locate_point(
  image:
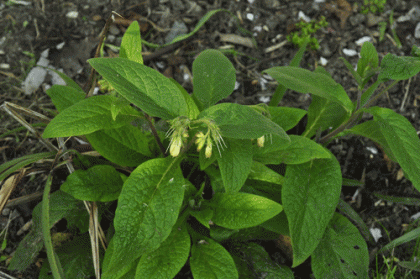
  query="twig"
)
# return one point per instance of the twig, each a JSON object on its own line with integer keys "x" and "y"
{"x": 406, "y": 89}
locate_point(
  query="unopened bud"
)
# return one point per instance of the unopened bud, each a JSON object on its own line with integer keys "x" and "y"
{"x": 260, "y": 141}
{"x": 175, "y": 147}
{"x": 200, "y": 141}
{"x": 208, "y": 149}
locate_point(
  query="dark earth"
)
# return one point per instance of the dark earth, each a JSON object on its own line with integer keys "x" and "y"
{"x": 27, "y": 28}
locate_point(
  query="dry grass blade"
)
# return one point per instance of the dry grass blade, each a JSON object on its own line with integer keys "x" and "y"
{"x": 93, "y": 232}
{"x": 10, "y": 109}
{"x": 92, "y": 209}
{"x": 8, "y": 187}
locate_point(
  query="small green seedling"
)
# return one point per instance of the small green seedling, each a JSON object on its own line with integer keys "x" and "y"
{"x": 382, "y": 29}
{"x": 194, "y": 180}
{"x": 306, "y": 30}
{"x": 373, "y": 6}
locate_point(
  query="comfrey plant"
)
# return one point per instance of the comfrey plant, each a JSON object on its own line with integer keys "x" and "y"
{"x": 196, "y": 182}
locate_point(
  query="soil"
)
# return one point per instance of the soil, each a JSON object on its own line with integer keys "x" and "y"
{"x": 29, "y": 28}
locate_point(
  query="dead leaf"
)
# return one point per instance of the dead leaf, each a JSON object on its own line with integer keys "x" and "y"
{"x": 341, "y": 8}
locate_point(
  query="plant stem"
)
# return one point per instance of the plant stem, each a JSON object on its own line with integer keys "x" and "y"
{"x": 354, "y": 118}
{"x": 155, "y": 134}
{"x": 342, "y": 127}
{"x": 373, "y": 100}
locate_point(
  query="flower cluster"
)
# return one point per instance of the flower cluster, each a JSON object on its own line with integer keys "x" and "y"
{"x": 212, "y": 135}
{"x": 178, "y": 133}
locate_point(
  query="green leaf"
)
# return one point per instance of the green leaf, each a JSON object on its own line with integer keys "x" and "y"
{"x": 210, "y": 260}
{"x": 351, "y": 214}
{"x": 143, "y": 86}
{"x": 214, "y": 77}
{"x": 310, "y": 195}
{"x": 281, "y": 89}
{"x": 64, "y": 96}
{"x": 193, "y": 110}
{"x": 398, "y": 67}
{"x": 323, "y": 114}
{"x": 258, "y": 260}
{"x": 286, "y": 117}
{"x": 123, "y": 272}
{"x": 407, "y": 237}
{"x": 277, "y": 224}
{"x": 62, "y": 205}
{"x": 148, "y": 207}
{"x": 402, "y": 139}
{"x": 342, "y": 252}
{"x": 76, "y": 256}
{"x": 261, "y": 172}
{"x": 203, "y": 215}
{"x": 71, "y": 83}
{"x": 235, "y": 164}
{"x": 371, "y": 130}
{"x": 99, "y": 183}
{"x": 300, "y": 150}
{"x": 125, "y": 146}
{"x": 242, "y": 210}
{"x": 355, "y": 74}
{"x": 368, "y": 59}
{"x": 131, "y": 43}
{"x": 168, "y": 259}
{"x": 54, "y": 261}
{"x": 11, "y": 166}
{"x": 118, "y": 105}
{"x": 305, "y": 81}
{"x": 87, "y": 116}
{"x": 200, "y": 23}
{"x": 242, "y": 122}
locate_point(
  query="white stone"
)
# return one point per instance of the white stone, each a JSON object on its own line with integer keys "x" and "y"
{"x": 36, "y": 75}
{"x": 250, "y": 16}
{"x": 362, "y": 40}
{"x": 72, "y": 14}
{"x": 417, "y": 31}
{"x": 349, "y": 52}
{"x": 301, "y": 15}
{"x": 376, "y": 233}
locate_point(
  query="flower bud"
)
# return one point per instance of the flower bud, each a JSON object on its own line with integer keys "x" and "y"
{"x": 175, "y": 147}
{"x": 208, "y": 149}
{"x": 200, "y": 141}
{"x": 260, "y": 141}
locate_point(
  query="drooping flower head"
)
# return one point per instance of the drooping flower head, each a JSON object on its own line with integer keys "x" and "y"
{"x": 178, "y": 134}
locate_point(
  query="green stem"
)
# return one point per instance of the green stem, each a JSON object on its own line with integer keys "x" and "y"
{"x": 373, "y": 100}
{"x": 155, "y": 134}
{"x": 55, "y": 265}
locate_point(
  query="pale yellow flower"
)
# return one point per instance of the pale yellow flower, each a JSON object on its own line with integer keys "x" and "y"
{"x": 260, "y": 141}
{"x": 175, "y": 148}
{"x": 200, "y": 141}
{"x": 208, "y": 148}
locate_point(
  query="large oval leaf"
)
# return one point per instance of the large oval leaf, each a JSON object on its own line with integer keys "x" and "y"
{"x": 168, "y": 259}
{"x": 87, "y": 116}
{"x": 402, "y": 139}
{"x": 209, "y": 259}
{"x": 242, "y": 210}
{"x": 148, "y": 208}
{"x": 125, "y": 146}
{"x": 310, "y": 195}
{"x": 98, "y": 183}
{"x": 305, "y": 81}
{"x": 342, "y": 252}
{"x": 214, "y": 77}
{"x": 131, "y": 43}
{"x": 242, "y": 122}
{"x": 145, "y": 87}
